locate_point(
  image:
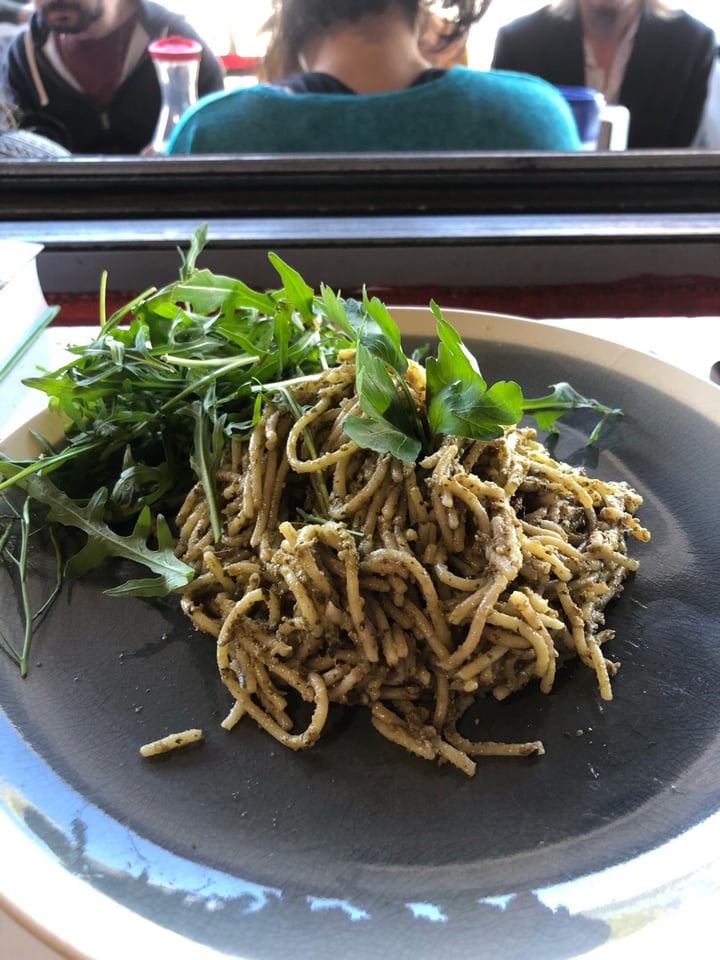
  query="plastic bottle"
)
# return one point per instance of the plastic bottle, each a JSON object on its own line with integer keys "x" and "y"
{"x": 177, "y": 61}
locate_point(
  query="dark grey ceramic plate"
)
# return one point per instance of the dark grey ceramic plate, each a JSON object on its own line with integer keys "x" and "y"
{"x": 356, "y": 849}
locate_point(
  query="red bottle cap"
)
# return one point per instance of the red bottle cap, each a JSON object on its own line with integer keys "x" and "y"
{"x": 232, "y": 61}
{"x": 175, "y": 48}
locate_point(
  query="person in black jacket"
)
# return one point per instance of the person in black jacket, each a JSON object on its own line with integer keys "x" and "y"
{"x": 652, "y": 59}
{"x": 80, "y": 72}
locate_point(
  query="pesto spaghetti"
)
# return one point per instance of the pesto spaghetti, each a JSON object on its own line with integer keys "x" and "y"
{"x": 360, "y": 530}
{"x": 410, "y": 588}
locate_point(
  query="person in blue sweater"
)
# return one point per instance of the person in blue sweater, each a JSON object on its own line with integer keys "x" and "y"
{"x": 365, "y": 84}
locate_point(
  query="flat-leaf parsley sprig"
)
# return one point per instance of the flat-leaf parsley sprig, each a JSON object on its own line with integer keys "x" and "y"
{"x": 458, "y": 400}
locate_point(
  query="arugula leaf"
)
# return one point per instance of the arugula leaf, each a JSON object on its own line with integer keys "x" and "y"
{"x": 335, "y": 310}
{"x": 140, "y": 483}
{"x": 207, "y": 453}
{"x": 20, "y": 560}
{"x": 13, "y": 472}
{"x": 198, "y": 243}
{"x": 563, "y": 398}
{"x": 208, "y": 292}
{"x": 174, "y": 574}
{"x": 282, "y": 327}
{"x": 299, "y": 294}
{"x": 103, "y": 542}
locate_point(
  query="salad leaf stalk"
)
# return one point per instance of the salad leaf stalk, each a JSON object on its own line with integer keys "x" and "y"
{"x": 20, "y": 561}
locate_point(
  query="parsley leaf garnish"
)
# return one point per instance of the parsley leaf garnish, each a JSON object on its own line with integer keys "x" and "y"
{"x": 459, "y": 402}
{"x": 388, "y": 425}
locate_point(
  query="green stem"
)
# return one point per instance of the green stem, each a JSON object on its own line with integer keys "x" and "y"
{"x": 282, "y": 384}
{"x": 4, "y": 642}
{"x": 420, "y": 431}
{"x": 542, "y": 405}
{"x": 106, "y": 325}
{"x": 219, "y": 362}
{"x": 24, "y": 592}
{"x": 47, "y": 464}
{"x": 202, "y": 381}
{"x": 58, "y": 577}
{"x": 103, "y": 299}
{"x": 318, "y": 478}
{"x": 5, "y": 536}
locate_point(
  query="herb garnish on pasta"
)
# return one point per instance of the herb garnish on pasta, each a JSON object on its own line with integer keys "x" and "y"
{"x": 352, "y": 526}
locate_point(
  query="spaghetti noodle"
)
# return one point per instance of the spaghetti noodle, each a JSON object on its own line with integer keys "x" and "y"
{"x": 412, "y": 589}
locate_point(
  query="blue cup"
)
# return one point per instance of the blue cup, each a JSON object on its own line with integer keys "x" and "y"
{"x": 586, "y": 105}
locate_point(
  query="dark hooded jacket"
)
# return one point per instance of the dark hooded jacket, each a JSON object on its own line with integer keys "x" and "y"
{"x": 49, "y": 103}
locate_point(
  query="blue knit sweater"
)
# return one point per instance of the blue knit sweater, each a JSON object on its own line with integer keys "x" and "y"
{"x": 461, "y": 110}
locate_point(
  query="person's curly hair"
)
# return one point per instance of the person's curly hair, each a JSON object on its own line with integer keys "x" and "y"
{"x": 292, "y": 22}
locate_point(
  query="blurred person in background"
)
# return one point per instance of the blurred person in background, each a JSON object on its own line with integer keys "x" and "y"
{"x": 644, "y": 54}
{"x": 439, "y": 51}
{"x": 80, "y": 72}
{"x": 708, "y": 135}
{"x": 18, "y": 144}
{"x": 15, "y": 12}
{"x": 351, "y": 75}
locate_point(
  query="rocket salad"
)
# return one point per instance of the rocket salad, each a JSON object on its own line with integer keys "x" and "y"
{"x": 151, "y": 401}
